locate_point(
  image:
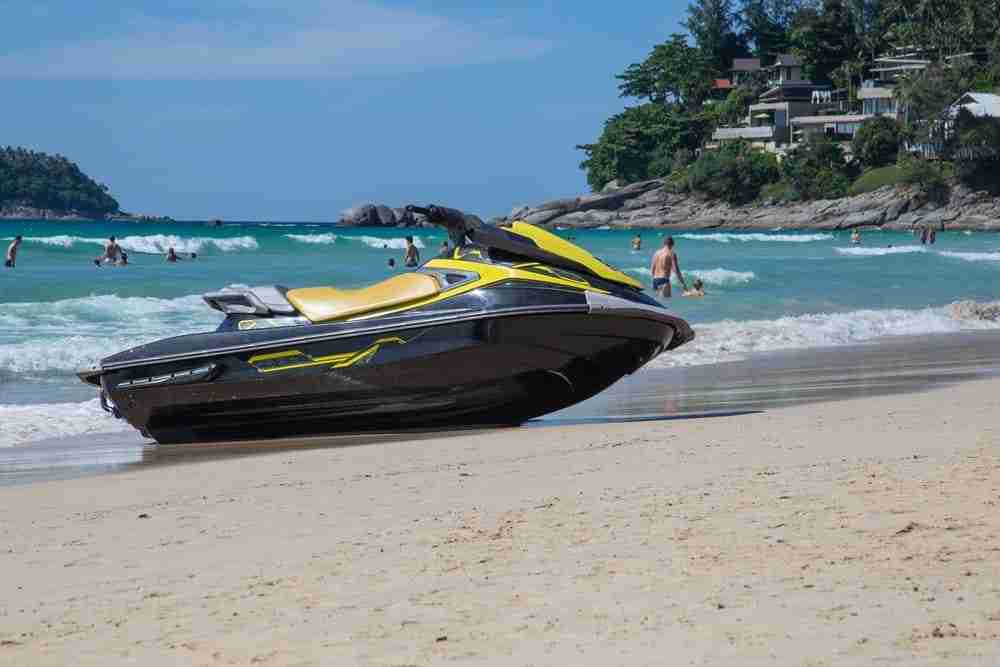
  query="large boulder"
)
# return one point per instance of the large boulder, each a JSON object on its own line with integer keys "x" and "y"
{"x": 384, "y": 216}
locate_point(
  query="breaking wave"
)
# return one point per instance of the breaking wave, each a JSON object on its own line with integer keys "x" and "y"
{"x": 878, "y": 252}
{"x": 27, "y": 423}
{"x": 370, "y": 241}
{"x": 972, "y": 256}
{"x": 718, "y": 276}
{"x": 156, "y": 244}
{"x": 75, "y": 333}
{"x": 731, "y": 340}
{"x": 758, "y": 237}
{"x": 723, "y": 276}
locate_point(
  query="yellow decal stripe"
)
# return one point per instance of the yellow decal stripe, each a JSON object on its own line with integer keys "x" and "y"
{"x": 341, "y": 360}
{"x": 275, "y": 355}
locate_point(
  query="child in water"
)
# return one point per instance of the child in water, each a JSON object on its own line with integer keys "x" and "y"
{"x": 697, "y": 289}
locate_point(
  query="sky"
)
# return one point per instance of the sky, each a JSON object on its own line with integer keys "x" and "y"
{"x": 297, "y": 110}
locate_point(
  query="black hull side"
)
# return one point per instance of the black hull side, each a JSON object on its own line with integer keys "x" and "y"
{"x": 489, "y": 371}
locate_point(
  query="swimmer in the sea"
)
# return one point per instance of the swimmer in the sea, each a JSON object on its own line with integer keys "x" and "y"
{"x": 697, "y": 289}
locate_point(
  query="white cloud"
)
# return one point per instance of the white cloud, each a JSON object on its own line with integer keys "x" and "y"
{"x": 268, "y": 40}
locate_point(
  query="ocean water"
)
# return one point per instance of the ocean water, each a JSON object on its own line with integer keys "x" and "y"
{"x": 765, "y": 291}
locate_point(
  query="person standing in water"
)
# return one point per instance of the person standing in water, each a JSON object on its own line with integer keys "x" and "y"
{"x": 412, "y": 257}
{"x": 172, "y": 255}
{"x": 637, "y": 242}
{"x": 665, "y": 263}
{"x": 11, "y": 260}
{"x": 855, "y": 237}
{"x": 112, "y": 251}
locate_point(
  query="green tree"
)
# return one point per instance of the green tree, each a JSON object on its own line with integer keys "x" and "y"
{"x": 673, "y": 72}
{"x": 925, "y": 97}
{"x": 877, "y": 142}
{"x": 946, "y": 27}
{"x": 977, "y": 153}
{"x": 38, "y": 180}
{"x": 711, "y": 24}
{"x": 735, "y": 173}
{"x": 816, "y": 169}
{"x": 639, "y": 143}
{"x": 824, "y": 38}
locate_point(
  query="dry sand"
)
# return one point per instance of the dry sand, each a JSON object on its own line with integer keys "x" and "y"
{"x": 856, "y": 532}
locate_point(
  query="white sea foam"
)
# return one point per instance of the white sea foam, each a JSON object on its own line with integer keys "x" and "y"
{"x": 153, "y": 244}
{"x": 972, "y": 256}
{"x": 722, "y": 237}
{"x": 733, "y": 340}
{"x": 723, "y": 276}
{"x": 718, "y": 276}
{"x": 316, "y": 239}
{"x": 878, "y": 252}
{"x": 27, "y": 423}
{"x": 63, "y": 336}
{"x": 371, "y": 241}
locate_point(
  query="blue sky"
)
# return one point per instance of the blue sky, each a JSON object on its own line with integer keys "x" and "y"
{"x": 271, "y": 110}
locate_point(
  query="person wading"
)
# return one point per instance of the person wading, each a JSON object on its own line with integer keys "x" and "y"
{"x": 412, "y": 257}
{"x": 11, "y": 261}
{"x": 664, "y": 264}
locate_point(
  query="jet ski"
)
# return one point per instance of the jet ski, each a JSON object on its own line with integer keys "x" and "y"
{"x": 511, "y": 323}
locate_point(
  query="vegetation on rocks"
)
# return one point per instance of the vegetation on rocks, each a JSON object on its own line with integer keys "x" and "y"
{"x": 836, "y": 40}
{"x": 40, "y": 181}
{"x": 877, "y": 142}
{"x": 735, "y": 173}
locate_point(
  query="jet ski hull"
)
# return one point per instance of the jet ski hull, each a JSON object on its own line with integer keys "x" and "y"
{"x": 486, "y": 370}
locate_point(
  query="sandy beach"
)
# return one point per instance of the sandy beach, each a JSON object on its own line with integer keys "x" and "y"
{"x": 845, "y": 532}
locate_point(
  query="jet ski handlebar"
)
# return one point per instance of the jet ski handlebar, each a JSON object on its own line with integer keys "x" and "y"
{"x": 440, "y": 215}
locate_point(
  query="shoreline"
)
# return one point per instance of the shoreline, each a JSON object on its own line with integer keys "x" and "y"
{"x": 765, "y": 381}
{"x": 834, "y": 533}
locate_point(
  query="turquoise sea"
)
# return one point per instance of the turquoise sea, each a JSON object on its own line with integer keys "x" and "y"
{"x": 766, "y": 291}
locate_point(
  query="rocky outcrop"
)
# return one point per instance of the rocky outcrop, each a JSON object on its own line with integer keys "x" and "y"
{"x": 649, "y": 205}
{"x": 19, "y": 212}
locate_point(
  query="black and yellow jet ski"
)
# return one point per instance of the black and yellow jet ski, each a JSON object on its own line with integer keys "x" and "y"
{"x": 512, "y": 323}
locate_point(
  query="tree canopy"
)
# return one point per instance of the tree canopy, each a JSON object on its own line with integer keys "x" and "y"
{"x": 39, "y": 180}
{"x": 837, "y": 41}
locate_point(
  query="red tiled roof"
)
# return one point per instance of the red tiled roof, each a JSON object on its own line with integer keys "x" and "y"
{"x": 723, "y": 84}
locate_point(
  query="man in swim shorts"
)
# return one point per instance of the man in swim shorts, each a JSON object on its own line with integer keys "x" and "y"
{"x": 411, "y": 257}
{"x": 11, "y": 260}
{"x": 665, "y": 263}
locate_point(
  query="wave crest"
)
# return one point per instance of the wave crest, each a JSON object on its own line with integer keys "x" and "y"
{"x": 723, "y": 237}
{"x": 28, "y": 423}
{"x": 878, "y": 252}
{"x": 370, "y": 241}
{"x": 155, "y": 244}
{"x": 731, "y": 340}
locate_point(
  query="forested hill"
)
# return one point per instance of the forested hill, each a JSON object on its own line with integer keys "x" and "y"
{"x": 51, "y": 182}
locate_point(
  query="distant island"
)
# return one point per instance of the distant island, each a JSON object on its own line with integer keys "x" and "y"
{"x": 42, "y": 186}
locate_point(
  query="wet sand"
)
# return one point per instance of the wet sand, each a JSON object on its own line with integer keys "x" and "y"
{"x": 848, "y": 532}
{"x": 889, "y": 366}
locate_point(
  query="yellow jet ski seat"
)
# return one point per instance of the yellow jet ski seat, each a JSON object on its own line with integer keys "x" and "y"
{"x": 322, "y": 304}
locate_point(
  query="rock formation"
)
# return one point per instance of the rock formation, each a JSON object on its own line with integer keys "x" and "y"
{"x": 648, "y": 205}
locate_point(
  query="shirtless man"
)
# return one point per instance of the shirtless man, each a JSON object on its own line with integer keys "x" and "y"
{"x": 412, "y": 256}
{"x": 11, "y": 259}
{"x": 637, "y": 242}
{"x": 112, "y": 252}
{"x": 665, "y": 263}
